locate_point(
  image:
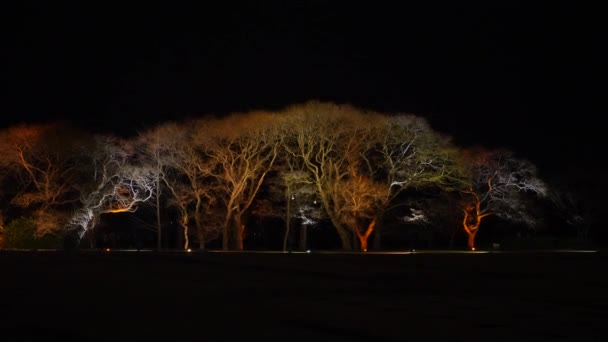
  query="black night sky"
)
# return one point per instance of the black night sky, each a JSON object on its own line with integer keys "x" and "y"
{"x": 508, "y": 74}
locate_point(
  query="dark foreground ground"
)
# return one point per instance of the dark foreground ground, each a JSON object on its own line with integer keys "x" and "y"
{"x": 54, "y": 296}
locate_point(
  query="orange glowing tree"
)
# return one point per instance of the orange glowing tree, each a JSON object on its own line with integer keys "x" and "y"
{"x": 242, "y": 149}
{"x": 329, "y": 139}
{"x": 497, "y": 185}
{"x": 43, "y": 163}
{"x": 361, "y": 199}
{"x": 361, "y": 161}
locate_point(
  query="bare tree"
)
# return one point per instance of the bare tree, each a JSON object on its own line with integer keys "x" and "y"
{"x": 44, "y": 162}
{"x": 360, "y": 199}
{"x": 117, "y": 183}
{"x": 329, "y": 140}
{"x": 404, "y": 153}
{"x": 290, "y": 194}
{"x": 243, "y": 148}
{"x": 498, "y": 182}
{"x": 181, "y": 199}
{"x": 361, "y": 161}
{"x": 155, "y": 145}
{"x": 187, "y": 174}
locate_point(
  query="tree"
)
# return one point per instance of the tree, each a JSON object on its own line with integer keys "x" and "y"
{"x": 360, "y": 199}
{"x": 155, "y": 145}
{"x": 404, "y": 153}
{"x": 116, "y": 183}
{"x": 242, "y": 149}
{"x": 329, "y": 140}
{"x": 498, "y": 182}
{"x": 188, "y": 177}
{"x": 290, "y": 194}
{"x": 44, "y": 163}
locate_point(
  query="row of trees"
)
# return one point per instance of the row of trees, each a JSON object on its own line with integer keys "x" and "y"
{"x": 310, "y": 162}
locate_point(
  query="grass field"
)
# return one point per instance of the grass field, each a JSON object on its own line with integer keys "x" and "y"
{"x": 139, "y": 296}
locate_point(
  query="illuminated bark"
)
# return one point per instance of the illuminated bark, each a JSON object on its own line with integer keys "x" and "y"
{"x": 472, "y": 221}
{"x": 45, "y": 164}
{"x": 328, "y": 140}
{"x": 403, "y": 153}
{"x": 498, "y": 181}
{"x": 288, "y": 217}
{"x": 289, "y": 194}
{"x": 117, "y": 185}
{"x": 364, "y": 236}
{"x": 243, "y": 149}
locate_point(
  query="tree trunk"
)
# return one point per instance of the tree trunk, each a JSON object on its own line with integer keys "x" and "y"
{"x": 237, "y": 237}
{"x": 287, "y": 222}
{"x": 303, "y": 237}
{"x": 345, "y": 238}
{"x": 363, "y": 238}
{"x": 158, "y": 225}
{"x": 225, "y": 233}
{"x": 201, "y": 238}
{"x": 200, "y": 233}
{"x": 286, "y": 236}
{"x": 182, "y": 236}
{"x": 363, "y": 243}
{"x": 471, "y": 241}
{"x": 452, "y": 238}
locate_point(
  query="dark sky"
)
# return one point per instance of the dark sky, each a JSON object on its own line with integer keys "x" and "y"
{"x": 495, "y": 73}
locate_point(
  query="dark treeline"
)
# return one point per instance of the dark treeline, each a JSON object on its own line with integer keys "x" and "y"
{"x": 315, "y": 174}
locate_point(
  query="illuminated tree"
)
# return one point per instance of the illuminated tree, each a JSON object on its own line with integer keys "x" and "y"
{"x": 404, "y": 153}
{"x": 181, "y": 199}
{"x": 155, "y": 145}
{"x": 329, "y": 140}
{"x": 117, "y": 183}
{"x": 43, "y": 162}
{"x": 188, "y": 177}
{"x": 243, "y": 149}
{"x": 359, "y": 200}
{"x": 497, "y": 185}
{"x": 290, "y": 194}
{"x": 361, "y": 161}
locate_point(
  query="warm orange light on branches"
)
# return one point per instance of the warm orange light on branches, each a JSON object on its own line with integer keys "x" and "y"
{"x": 473, "y": 216}
{"x": 497, "y": 181}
